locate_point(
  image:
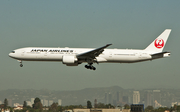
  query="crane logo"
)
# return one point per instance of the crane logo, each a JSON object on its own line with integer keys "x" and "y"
{"x": 159, "y": 43}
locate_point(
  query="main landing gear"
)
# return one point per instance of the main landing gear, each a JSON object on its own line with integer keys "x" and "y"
{"x": 89, "y": 66}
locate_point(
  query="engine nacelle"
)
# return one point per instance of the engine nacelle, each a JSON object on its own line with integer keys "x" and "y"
{"x": 69, "y": 60}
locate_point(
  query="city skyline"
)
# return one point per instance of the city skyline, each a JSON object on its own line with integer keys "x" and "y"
{"x": 109, "y": 95}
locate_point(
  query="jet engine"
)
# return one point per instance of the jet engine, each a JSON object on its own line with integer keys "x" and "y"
{"x": 70, "y": 60}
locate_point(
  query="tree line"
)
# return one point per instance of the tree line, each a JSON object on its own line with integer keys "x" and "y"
{"x": 38, "y": 107}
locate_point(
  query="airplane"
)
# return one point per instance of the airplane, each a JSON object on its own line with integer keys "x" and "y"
{"x": 76, "y": 56}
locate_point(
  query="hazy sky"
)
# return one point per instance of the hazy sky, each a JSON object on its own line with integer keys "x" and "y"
{"x": 130, "y": 24}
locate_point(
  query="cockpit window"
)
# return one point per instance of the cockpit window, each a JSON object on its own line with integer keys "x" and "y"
{"x": 12, "y": 51}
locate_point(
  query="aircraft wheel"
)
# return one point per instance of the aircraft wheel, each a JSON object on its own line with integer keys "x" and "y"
{"x": 21, "y": 65}
{"x": 90, "y": 67}
{"x": 86, "y": 66}
{"x": 94, "y": 68}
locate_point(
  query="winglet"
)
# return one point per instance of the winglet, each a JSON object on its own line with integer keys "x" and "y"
{"x": 108, "y": 44}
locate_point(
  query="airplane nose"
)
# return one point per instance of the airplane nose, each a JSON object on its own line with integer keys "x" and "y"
{"x": 10, "y": 54}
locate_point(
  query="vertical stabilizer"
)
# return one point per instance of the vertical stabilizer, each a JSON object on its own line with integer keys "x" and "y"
{"x": 158, "y": 44}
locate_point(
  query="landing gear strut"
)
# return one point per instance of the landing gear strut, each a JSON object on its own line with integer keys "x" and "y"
{"x": 89, "y": 66}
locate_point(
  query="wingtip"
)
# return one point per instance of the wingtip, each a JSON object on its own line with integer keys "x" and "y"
{"x": 108, "y": 44}
{"x": 168, "y": 29}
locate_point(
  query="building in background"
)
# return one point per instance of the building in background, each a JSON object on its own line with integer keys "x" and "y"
{"x": 29, "y": 103}
{"x": 42, "y": 102}
{"x": 121, "y": 96}
{"x": 59, "y": 102}
{"x": 9, "y": 102}
{"x": 137, "y": 108}
{"x": 125, "y": 99}
{"x": 17, "y": 104}
{"x": 115, "y": 102}
{"x": 97, "y": 110}
{"x": 148, "y": 98}
{"x": 45, "y": 103}
{"x": 32, "y": 100}
{"x": 105, "y": 99}
{"x": 50, "y": 102}
{"x": 95, "y": 103}
{"x": 110, "y": 98}
{"x": 117, "y": 97}
{"x": 157, "y": 98}
{"x": 136, "y": 97}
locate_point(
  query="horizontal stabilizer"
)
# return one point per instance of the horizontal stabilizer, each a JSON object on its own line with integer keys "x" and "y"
{"x": 160, "y": 55}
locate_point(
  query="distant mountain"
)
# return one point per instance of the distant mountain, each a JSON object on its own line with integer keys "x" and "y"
{"x": 80, "y": 97}
{"x": 75, "y": 97}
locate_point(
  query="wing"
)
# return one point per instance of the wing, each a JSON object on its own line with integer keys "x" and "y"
{"x": 93, "y": 53}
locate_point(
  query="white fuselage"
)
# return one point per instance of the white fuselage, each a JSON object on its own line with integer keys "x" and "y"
{"x": 56, "y": 54}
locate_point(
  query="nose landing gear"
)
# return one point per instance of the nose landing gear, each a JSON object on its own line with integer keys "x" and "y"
{"x": 21, "y": 65}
